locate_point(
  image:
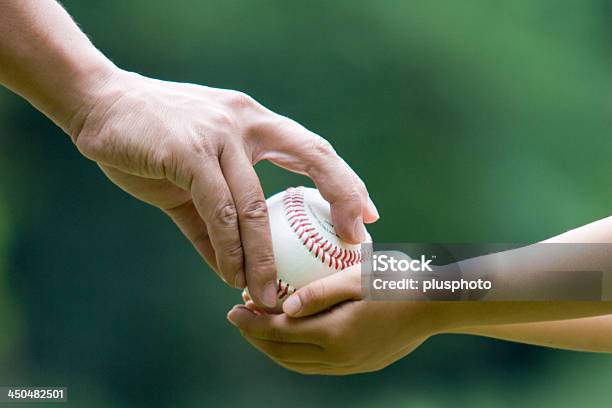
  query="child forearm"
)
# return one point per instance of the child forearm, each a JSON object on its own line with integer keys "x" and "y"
{"x": 529, "y": 269}
{"x": 586, "y": 334}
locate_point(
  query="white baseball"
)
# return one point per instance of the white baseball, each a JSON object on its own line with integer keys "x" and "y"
{"x": 306, "y": 247}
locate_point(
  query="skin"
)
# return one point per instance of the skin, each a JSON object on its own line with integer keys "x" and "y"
{"x": 587, "y": 334}
{"x": 347, "y": 339}
{"x": 187, "y": 149}
{"x": 328, "y": 329}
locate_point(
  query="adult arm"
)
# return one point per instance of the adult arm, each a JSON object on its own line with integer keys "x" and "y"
{"x": 186, "y": 149}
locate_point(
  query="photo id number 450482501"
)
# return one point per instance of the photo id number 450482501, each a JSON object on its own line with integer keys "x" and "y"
{"x": 33, "y": 394}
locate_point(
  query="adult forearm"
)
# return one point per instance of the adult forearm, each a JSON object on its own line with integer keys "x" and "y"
{"x": 46, "y": 59}
{"x": 184, "y": 148}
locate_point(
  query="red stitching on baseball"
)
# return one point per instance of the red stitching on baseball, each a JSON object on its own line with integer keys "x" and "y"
{"x": 339, "y": 258}
{"x": 284, "y": 289}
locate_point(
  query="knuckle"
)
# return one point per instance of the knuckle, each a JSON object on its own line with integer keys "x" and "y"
{"x": 353, "y": 195}
{"x": 94, "y": 146}
{"x": 351, "y": 200}
{"x": 198, "y": 136}
{"x": 321, "y": 147}
{"x": 255, "y": 210}
{"x": 225, "y": 214}
{"x": 240, "y": 100}
{"x": 222, "y": 120}
{"x": 202, "y": 145}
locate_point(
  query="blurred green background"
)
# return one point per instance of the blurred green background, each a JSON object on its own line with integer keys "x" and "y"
{"x": 471, "y": 121}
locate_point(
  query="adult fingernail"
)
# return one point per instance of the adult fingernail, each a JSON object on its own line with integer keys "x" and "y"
{"x": 373, "y": 208}
{"x": 269, "y": 294}
{"x": 359, "y": 229}
{"x": 292, "y": 305}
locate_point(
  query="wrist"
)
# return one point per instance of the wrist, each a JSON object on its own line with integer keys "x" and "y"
{"x": 56, "y": 72}
{"x": 430, "y": 317}
{"x": 100, "y": 91}
{"x": 88, "y": 85}
{"x": 443, "y": 318}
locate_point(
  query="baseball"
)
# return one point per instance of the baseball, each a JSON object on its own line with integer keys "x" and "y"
{"x": 306, "y": 247}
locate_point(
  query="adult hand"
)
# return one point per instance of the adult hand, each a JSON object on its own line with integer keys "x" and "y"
{"x": 336, "y": 332}
{"x": 190, "y": 151}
